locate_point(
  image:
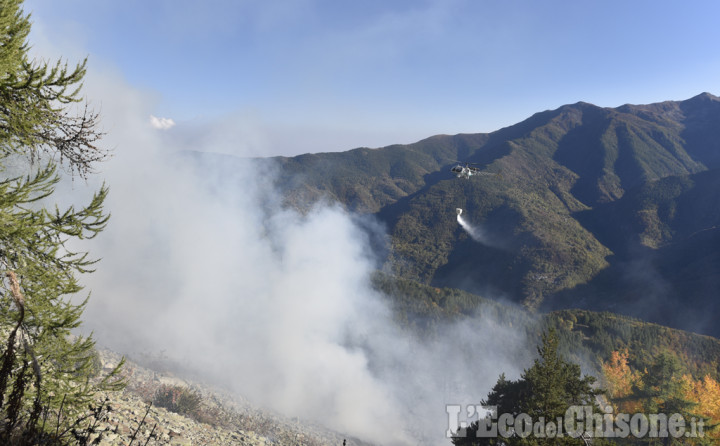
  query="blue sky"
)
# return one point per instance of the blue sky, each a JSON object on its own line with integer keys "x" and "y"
{"x": 330, "y": 75}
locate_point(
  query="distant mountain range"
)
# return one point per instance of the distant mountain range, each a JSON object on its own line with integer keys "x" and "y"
{"x": 593, "y": 208}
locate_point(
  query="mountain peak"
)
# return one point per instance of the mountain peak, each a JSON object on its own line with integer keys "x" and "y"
{"x": 704, "y": 97}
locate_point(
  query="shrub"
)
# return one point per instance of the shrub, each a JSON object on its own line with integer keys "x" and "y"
{"x": 178, "y": 399}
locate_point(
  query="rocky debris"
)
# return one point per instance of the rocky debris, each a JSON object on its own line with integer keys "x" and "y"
{"x": 219, "y": 420}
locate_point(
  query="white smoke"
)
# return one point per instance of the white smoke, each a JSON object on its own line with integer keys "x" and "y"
{"x": 201, "y": 262}
{"x": 203, "y": 265}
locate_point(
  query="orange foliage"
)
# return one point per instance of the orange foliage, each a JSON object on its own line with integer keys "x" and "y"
{"x": 618, "y": 375}
{"x": 619, "y": 380}
{"x": 706, "y": 393}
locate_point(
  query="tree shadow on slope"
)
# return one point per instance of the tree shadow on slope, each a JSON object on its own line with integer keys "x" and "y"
{"x": 674, "y": 286}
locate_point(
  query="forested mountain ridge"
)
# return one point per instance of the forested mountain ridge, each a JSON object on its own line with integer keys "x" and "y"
{"x": 584, "y": 197}
{"x": 656, "y": 140}
{"x": 587, "y": 214}
{"x": 586, "y": 337}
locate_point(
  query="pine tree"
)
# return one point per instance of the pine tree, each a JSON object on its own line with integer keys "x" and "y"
{"x": 44, "y": 368}
{"x": 544, "y": 392}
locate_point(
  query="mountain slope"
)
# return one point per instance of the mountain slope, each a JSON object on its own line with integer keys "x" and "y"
{"x": 666, "y": 242}
{"x": 365, "y": 179}
{"x": 583, "y": 196}
{"x": 558, "y": 164}
{"x": 586, "y": 337}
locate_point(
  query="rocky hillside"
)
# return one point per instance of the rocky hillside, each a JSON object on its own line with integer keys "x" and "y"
{"x": 218, "y": 419}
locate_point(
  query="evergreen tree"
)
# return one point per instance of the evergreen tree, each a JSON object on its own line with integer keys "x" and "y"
{"x": 44, "y": 369}
{"x": 661, "y": 390}
{"x": 544, "y": 392}
{"x": 36, "y": 116}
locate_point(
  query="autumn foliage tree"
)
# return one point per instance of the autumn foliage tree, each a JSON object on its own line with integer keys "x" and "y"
{"x": 705, "y": 393}
{"x": 662, "y": 388}
{"x": 619, "y": 381}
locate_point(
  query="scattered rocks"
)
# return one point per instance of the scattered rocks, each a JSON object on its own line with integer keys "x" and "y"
{"x": 221, "y": 420}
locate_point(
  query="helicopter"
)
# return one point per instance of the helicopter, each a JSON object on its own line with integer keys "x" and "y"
{"x": 468, "y": 170}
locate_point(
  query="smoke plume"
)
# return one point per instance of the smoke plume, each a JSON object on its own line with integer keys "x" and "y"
{"x": 200, "y": 262}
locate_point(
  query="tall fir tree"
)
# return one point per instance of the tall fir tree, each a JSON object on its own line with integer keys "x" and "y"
{"x": 44, "y": 368}
{"x": 544, "y": 393}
